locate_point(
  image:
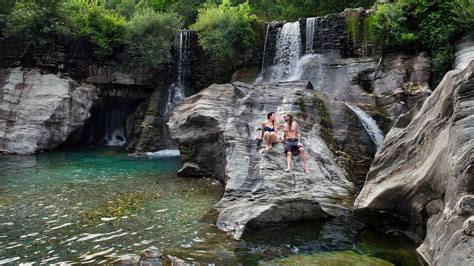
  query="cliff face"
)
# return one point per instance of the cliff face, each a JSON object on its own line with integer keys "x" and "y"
{"x": 216, "y": 131}
{"x": 424, "y": 171}
{"x": 39, "y": 112}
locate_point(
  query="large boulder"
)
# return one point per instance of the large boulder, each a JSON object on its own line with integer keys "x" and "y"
{"x": 216, "y": 130}
{"x": 424, "y": 172}
{"x": 39, "y": 112}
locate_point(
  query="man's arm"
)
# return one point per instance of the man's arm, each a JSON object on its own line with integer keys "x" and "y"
{"x": 283, "y": 139}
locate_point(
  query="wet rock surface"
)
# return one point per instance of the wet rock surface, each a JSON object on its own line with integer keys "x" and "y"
{"x": 39, "y": 112}
{"x": 424, "y": 171}
{"x": 216, "y": 130}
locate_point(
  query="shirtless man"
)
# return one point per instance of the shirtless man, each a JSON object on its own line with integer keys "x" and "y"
{"x": 291, "y": 137}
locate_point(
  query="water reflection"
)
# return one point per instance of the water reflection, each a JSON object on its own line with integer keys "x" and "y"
{"x": 105, "y": 206}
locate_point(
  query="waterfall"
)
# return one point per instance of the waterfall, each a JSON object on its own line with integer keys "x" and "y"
{"x": 176, "y": 91}
{"x": 114, "y": 128}
{"x": 260, "y": 76}
{"x": 369, "y": 124}
{"x": 310, "y": 27}
{"x": 287, "y": 51}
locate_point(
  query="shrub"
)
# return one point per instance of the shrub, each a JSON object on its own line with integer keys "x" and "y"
{"x": 352, "y": 24}
{"x": 38, "y": 21}
{"x": 6, "y": 7}
{"x": 464, "y": 13}
{"x": 225, "y": 30}
{"x": 47, "y": 21}
{"x": 94, "y": 22}
{"x": 150, "y": 34}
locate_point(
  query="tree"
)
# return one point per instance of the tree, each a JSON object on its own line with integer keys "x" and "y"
{"x": 150, "y": 34}
{"x": 224, "y": 30}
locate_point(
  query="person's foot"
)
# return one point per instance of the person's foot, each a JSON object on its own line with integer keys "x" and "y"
{"x": 287, "y": 170}
{"x": 306, "y": 170}
{"x": 267, "y": 148}
{"x": 270, "y": 147}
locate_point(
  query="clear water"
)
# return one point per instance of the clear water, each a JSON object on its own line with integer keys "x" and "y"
{"x": 93, "y": 206}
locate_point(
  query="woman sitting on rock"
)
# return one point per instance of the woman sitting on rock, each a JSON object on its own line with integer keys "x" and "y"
{"x": 269, "y": 131}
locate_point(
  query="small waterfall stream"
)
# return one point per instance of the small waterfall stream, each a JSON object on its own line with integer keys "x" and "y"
{"x": 288, "y": 49}
{"x": 310, "y": 27}
{"x": 176, "y": 91}
{"x": 369, "y": 124}
{"x": 114, "y": 128}
{"x": 262, "y": 71}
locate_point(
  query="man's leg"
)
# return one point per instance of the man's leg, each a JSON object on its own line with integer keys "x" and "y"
{"x": 303, "y": 157}
{"x": 288, "y": 161}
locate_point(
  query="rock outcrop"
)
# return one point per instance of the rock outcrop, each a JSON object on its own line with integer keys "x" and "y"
{"x": 216, "y": 130}
{"x": 424, "y": 171}
{"x": 39, "y": 112}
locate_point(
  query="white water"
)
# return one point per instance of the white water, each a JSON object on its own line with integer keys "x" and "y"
{"x": 176, "y": 91}
{"x": 163, "y": 154}
{"x": 369, "y": 124}
{"x": 287, "y": 51}
{"x": 114, "y": 128}
{"x": 310, "y": 27}
{"x": 260, "y": 76}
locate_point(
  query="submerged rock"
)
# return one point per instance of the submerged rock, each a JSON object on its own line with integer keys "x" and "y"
{"x": 39, "y": 112}
{"x": 424, "y": 171}
{"x": 216, "y": 131}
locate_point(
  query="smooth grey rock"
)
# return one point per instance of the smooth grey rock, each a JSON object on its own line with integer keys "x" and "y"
{"x": 216, "y": 130}
{"x": 39, "y": 112}
{"x": 424, "y": 171}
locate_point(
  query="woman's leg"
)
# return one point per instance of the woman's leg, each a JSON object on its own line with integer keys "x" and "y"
{"x": 274, "y": 138}
{"x": 267, "y": 137}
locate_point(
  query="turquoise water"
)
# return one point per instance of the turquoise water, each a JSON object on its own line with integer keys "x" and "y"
{"x": 95, "y": 206}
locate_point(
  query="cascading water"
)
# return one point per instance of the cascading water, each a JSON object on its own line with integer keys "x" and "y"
{"x": 260, "y": 76}
{"x": 310, "y": 27}
{"x": 369, "y": 124}
{"x": 287, "y": 51}
{"x": 114, "y": 128}
{"x": 176, "y": 91}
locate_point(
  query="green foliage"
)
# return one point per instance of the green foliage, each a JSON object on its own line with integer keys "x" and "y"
{"x": 431, "y": 25}
{"x": 6, "y": 7}
{"x": 464, "y": 13}
{"x": 292, "y": 10}
{"x": 443, "y": 58}
{"x": 352, "y": 23}
{"x": 125, "y": 8}
{"x": 388, "y": 25}
{"x": 38, "y": 21}
{"x": 150, "y": 34}
{"x": 224, "y": 30}
{"x": 188, "y": 9}
{"x": 101, "y": 27}
{"x": 47, "y": 21}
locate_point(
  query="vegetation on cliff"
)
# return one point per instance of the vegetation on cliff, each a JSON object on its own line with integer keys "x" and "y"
{"x": 224, "y": 30}
{"x": 422, "y": 25}
{"x": 150, "y": 34}
{"x": 227, "y": 28}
